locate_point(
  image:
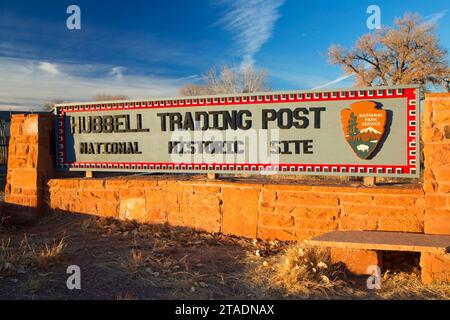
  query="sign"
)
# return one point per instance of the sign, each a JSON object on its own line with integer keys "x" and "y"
{"x": 357, "y": 132}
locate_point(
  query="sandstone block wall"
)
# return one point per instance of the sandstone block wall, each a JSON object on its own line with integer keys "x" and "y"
{"x": 436, "y": 148}
{"x": 30, "y": 165}
{"x": 267, "y": 211}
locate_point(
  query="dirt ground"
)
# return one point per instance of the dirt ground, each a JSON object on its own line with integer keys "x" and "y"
{"x": 123, "y": 260}
{"x": 127, "y": 260}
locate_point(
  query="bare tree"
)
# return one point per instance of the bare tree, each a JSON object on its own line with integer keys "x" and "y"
{"x": 407, "y": 53}
{"x": 110, "y": 97}
{"x": 228, "y": 80}
{"x": 192, "y": 89}
{"x": 225, "y": 81}
{"x": 253, "y": 80}
{"x": 50, "y": 106}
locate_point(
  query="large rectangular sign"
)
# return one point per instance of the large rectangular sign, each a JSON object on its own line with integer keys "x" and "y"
{"x": 356, "y": 131}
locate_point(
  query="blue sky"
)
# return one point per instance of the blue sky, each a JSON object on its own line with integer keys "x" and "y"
{"x": 151, "y": 48}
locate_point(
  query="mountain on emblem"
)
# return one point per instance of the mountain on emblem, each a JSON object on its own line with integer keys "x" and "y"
{"x": 364, "y": 127}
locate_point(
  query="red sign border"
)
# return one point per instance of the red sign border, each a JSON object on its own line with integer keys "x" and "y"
{"x": 409, "y": 169}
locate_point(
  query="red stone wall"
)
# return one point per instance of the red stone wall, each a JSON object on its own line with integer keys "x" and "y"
{"x": 268, "y": 211}
{"x": 435, "y": 267}
{"x": 436, "y": 142}
{"x": 30, "y": 165}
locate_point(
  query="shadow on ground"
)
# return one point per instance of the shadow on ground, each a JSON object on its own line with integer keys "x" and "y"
{"x": 124, "y": 260}
{"x": 129, "y": 260}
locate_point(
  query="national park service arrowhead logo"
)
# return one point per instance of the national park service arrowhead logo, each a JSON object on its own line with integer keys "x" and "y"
{"x": 364, "y": 127}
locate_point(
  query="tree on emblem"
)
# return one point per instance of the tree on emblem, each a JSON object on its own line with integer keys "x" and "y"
{"x": 352, "y": 129}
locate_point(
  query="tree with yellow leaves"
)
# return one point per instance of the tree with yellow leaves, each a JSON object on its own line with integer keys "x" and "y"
{"x": 407, "y": 53}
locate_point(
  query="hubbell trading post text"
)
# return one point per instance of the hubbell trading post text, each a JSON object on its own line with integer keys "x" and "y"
{"x": 225, "y": 159}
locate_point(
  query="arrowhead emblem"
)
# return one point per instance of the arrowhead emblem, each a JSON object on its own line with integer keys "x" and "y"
{"x": 364, "y": 127}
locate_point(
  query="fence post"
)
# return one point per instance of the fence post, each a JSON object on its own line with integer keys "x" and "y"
{"x": 30, "y": 164}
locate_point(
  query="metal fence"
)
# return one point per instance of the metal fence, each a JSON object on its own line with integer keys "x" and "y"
{"x": 3, "y": 145}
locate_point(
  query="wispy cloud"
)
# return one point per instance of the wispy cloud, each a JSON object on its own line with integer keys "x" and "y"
{"x": 117, "y": 72}
{"x": 436, "y": 17}
{"x": 41, "y": 39}
{"x": 307, "y": 78}
{"x": 31, "y": 84}
{"x": 251, "y": 22}
{"x": 335, "y": 81}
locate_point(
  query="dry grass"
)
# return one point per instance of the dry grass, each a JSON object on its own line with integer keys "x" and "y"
{"x": 50, "y": 254}
{"x": 14, "y": 259}
{"x": 302, "y": 271}
{"x": 137, "y": 258}
{"x": 409, "y": 286}
{"x": 307, "y": 273}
